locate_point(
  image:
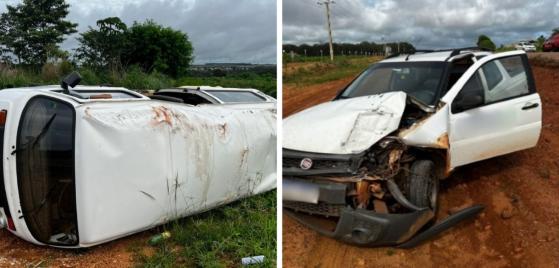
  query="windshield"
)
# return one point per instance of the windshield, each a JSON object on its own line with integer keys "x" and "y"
{"x": 45, "y": 170}
{"x": 418, "y": 79}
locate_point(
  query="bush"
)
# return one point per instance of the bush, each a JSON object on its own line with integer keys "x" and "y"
{"x": 65, "y": 68}
{"x": 49, "y": 72}
{"x": 134, "y": 78}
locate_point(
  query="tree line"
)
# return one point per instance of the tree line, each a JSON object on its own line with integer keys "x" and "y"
{"x": 31, "y": 34}
{"x": 363, "y": 48}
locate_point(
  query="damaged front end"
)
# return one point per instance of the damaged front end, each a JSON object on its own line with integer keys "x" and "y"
{"x": 362, "y": 199}
{"x": 385, "y": 195}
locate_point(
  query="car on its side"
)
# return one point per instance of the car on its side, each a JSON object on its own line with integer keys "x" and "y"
{"x": 551, "y": 44}
{"x": 372, "y": 158}
{"x": 88, "y": 165}
{"x": 526, "y": 46}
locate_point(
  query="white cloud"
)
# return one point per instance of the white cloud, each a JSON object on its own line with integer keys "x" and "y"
{"x": 220, "y": 30}
{"x": 438, "y": 24}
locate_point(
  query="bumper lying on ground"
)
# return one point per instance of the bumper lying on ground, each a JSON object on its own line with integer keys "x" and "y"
{"x": 361, "y": 226}
{"x": 366, "y": 228}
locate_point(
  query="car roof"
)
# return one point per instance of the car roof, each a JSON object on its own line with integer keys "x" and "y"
{"x": 440, "y": 56}
{"x": 57, "y": 89}
{"x": 78, "y": 87}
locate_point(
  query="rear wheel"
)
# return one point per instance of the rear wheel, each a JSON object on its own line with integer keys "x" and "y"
{"x": 423, "y": 184}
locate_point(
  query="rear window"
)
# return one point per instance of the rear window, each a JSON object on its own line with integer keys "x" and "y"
{"x": 232, "y": 96}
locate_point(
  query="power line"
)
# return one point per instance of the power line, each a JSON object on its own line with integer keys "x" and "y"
{"x": 327, "y": 3}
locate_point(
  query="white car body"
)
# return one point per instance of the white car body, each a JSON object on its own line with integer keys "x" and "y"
{"x": 526, "y": 46}
{"x": 140, "y": 163}
{"x": 353, "y": 125}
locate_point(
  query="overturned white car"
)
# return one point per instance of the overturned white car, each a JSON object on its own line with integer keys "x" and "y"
{"x": 372, "y": 158}
{"x": 88, "y": 165}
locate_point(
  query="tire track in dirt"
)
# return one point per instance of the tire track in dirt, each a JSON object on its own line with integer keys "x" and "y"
{"x": 518, "y": 228}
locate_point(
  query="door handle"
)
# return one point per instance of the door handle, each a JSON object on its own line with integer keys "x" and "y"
{"x": 529, "y": 106}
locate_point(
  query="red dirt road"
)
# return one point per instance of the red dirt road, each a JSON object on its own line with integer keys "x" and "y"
{"x": 520, "y": 224}
{"x": 15, "y": 252}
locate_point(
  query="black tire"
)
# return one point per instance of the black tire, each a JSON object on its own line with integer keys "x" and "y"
{"x": 423, "y": 184}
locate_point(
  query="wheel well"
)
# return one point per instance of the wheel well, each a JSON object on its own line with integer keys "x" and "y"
{"x": 438, "y": 156}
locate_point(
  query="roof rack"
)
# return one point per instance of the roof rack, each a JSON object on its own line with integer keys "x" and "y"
{"x": 454, "y": 52}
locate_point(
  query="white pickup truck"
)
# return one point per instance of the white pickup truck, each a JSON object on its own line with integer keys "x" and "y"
{"x": 372, "y": 158}
{"x": 88, "y": 165}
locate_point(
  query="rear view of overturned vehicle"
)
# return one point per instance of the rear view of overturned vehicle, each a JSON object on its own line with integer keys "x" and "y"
{"x": 370, "y": 160}
{"x": 86, "y": 165}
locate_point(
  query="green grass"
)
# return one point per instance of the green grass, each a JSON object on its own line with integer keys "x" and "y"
{"x": 220, "y": 237}
{"x": 320, "y": 72}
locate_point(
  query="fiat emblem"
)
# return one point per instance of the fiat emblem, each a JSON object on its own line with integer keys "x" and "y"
{"x": 306, "y": 163}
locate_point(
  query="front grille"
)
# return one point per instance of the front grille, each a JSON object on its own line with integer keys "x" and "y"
{"x": 317, "y": 163}
{"x": 321, "y": 163}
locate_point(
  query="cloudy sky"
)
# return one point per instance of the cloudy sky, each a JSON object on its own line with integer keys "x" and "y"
{"x": 220, "y": 30}
{"x": 424, "y": 23}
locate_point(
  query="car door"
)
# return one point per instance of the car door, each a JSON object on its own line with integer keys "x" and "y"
{"x": 496, "y": 112}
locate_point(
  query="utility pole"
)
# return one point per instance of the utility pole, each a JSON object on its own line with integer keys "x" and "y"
{"x": 327, "y": 3}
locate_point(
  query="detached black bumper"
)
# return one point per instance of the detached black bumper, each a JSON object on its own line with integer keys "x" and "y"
{"x": 366, "y": 228}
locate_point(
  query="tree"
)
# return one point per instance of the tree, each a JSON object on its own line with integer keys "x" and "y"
{"x": 148, "y": 45}
{"x": 539, "y": 43}
{"x": 157, "y": 48}
{"x": 484, "y": 41}
{"x": 31, "y": 29}
{"x": 555, "y": 31}
{"x": 104, "y": 47}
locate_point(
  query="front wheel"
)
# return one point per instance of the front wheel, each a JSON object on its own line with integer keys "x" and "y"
{"x": 423, "y": 184}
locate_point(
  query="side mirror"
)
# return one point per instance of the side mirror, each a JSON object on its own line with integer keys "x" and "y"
{"x": 466, "y": 102}
{"x": 71, "y": 80}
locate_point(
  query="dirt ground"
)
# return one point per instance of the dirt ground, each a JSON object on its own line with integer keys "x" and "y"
{"x": 518, "y": 228}
{"x": 15, "y": 252}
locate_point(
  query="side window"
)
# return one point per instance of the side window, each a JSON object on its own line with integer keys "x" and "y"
{"x": 506, "y": 78}
{"x": 470, "y": 96}
{"x": 496, "y": 80}
{"x": 492, "y": 74}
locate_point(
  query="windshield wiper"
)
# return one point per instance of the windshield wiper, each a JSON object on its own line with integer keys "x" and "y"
{"x": 36, "y": 139}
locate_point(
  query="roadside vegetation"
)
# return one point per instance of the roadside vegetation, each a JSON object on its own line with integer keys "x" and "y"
{"x": 141, "y": 56}
{"x": 132, "y": 78}
{"x": 313, "y": 70}
{"x": 218, "y": 238}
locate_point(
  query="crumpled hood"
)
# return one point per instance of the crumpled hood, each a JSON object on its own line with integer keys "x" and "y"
{"x": 346, "y": 126}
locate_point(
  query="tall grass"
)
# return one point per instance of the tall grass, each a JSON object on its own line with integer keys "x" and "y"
{"x": 133, "y": 78}
{"x": 315, "y": 72}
